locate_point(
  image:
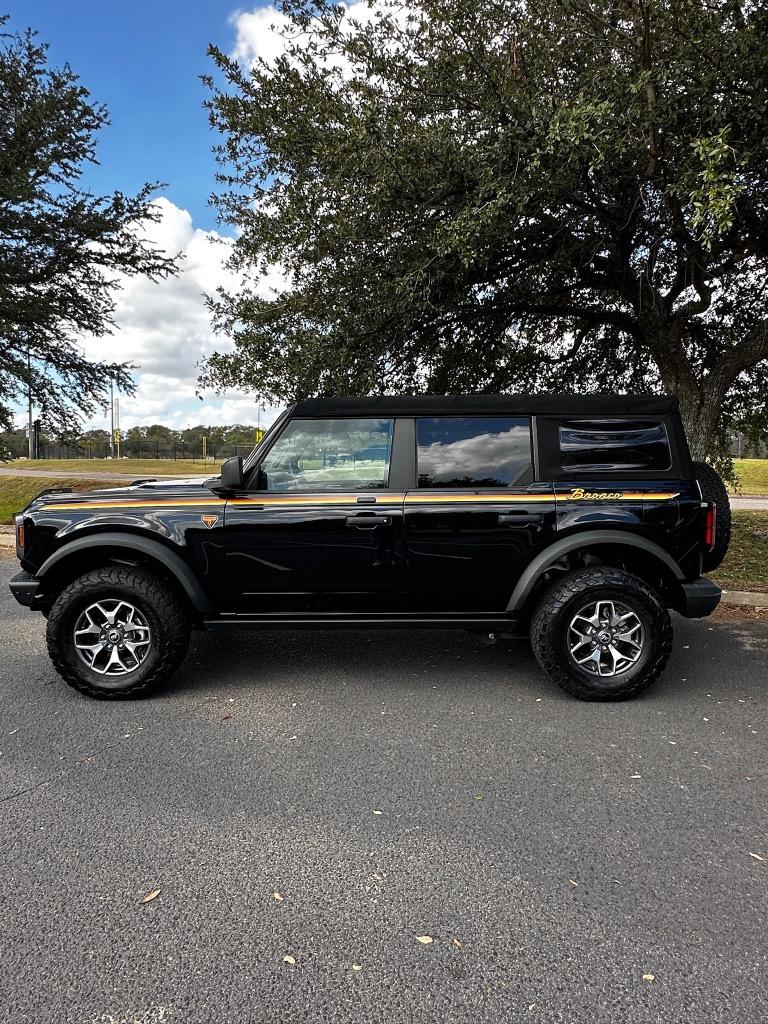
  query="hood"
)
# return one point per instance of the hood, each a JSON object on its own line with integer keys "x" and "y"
{"x": 174, "y": 487}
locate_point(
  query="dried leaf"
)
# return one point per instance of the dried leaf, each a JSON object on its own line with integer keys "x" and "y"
{"x": 456, "y": 942}
{"x": 289, "y": 959}
{"x": 649, "y": 977}
{"x": 425, "y": 940}
{"x": 757, "y": 856}
{"x": 357, "y": 967}
{"x": 378, "y": 812}
{"x": 635, "y": 776}
{"x": 572, "y": 881}
{"x": 150, "y": 896}
{"x": 278, "y": 897}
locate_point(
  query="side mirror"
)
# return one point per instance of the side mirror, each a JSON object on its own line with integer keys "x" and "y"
{"x": 232, "y": 474}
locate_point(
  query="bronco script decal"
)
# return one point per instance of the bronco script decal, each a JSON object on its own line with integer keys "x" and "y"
{"x": 580, "y": 494}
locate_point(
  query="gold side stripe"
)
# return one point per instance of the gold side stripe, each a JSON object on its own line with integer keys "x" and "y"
{"x": 122, "y": 503}
{"x": 411, "y": 499}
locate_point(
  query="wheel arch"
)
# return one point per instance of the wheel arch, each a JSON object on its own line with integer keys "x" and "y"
{"x": 642, "y": 556}
{"x": 89, "y": 551}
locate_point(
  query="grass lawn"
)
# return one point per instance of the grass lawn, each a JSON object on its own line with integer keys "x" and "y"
{"x": 17, "y": 491}
{"x": 139, "y": 467}
{"x": 753, "y": 476}
{"x": 746, "y": 564}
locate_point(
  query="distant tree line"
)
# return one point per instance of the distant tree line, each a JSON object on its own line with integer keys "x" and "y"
{"x": 155, "y": 441}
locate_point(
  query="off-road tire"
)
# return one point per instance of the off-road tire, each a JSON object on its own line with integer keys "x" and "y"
{"x": 158, "y": 603}
{"x": 553, "y": 614}
{"x": 713, "y": 489}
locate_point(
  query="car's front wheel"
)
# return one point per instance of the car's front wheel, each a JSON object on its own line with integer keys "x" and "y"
{"x": 601, "y": 634}
{"x": 117, "y": 632}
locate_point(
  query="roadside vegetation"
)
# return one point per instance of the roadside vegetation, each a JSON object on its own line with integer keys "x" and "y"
{"x": 139, "y": 467}
{"x": 17, "y": 491}
{"x": 751, "y": 476}
{"x": 746, "y": 564}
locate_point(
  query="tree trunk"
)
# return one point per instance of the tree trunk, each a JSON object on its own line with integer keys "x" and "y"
{"x": 700, "y": 407}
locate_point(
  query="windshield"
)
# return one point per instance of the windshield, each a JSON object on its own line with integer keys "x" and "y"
{"x": 254, "y": 455}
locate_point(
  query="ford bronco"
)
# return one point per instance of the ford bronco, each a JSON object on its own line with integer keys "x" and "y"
{"x": 576, "y": 521}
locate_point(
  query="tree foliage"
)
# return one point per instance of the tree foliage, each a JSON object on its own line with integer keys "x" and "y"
{"x": 61, "y": 248}
{"x": 560, "y": 194}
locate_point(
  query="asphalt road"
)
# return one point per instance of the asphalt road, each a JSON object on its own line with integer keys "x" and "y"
{"x": 555, "y": 852}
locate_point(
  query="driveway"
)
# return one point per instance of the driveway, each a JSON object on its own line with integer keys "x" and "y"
{"x": 332, "y": 797}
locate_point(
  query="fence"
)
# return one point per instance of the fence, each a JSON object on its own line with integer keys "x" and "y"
{"x": 129, "y": 450}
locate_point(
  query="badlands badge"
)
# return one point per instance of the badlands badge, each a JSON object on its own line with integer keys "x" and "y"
{"x": 210, "y": 521}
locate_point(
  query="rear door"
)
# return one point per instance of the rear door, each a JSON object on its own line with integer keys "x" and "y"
{"x": 321, "y": 527}
{"x": 476, "y": 516}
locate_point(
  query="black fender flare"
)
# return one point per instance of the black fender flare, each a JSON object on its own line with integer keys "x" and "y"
{"x": 588, "y": 538}
{"x": 173, "y": 562}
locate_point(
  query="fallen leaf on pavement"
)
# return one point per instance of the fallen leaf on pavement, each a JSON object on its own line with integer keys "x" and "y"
{"x": 378, "y": 812}
{"x": 635, "y": 776}
{"x": 357, "y": 967}
{"x": 150, "y": 896}
{"x": 456, "y": 942}
{"x": 425, "y": 940}
{"x": 757, "y": 856}
{"x": 649, "y": 977}
{"x": 289, "y": 959}
{"x": 572, "y": 881}
{"x": 278, "y": 897}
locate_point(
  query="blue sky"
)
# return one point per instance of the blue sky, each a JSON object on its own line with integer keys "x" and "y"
{"x": 143, "y": 60}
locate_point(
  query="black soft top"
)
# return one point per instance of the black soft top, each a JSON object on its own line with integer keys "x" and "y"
{"x": 511, "y": 405}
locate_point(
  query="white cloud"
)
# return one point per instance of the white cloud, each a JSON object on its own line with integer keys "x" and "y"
{"x": 261, "y": 33}
{"x": 164, "y": 328}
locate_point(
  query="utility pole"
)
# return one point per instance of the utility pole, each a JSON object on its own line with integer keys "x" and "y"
{"x": 117, "y": 425}
{"x": 112, "y": 420}
{"x": 30, "y": 423}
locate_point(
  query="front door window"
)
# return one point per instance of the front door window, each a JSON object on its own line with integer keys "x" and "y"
{"x": 329, "y": 455}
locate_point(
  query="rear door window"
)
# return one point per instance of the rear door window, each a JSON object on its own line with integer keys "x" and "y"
{"x": 593, "y": 446}
{"x": 473, "y": 452}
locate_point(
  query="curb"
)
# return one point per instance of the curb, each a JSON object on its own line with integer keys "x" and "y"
{"x": 750, "y": 598}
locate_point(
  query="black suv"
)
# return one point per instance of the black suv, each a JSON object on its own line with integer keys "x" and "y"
{"x": 578, "y": 521}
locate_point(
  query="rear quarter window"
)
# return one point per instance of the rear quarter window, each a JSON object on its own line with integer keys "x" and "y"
{"x": 602, "y": 445}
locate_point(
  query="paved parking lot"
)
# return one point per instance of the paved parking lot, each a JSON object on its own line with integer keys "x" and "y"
{"x": 386, "y": 786}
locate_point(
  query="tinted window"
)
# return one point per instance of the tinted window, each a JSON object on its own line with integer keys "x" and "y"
{"x": 329, "y": 455}
{"x": 618, "y": 445}
{"x": 480, "y": 452}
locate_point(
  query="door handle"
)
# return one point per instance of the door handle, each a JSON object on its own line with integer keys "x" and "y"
{"x": 520, "y": 518}
{"x": 368, "y": 520}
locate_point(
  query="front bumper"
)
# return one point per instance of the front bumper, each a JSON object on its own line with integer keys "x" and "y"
{"x": 699, "y": 598}
{"x": 24, "y": 588}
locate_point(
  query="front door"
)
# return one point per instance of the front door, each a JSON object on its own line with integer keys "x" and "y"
{"x": 321, "y": 529}
{"x": 476, "y": 517}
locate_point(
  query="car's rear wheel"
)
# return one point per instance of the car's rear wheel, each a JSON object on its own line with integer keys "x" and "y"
{"x": 117, "y": 632}
{"x": 713, "y": 489}
{"x": 601, "y": 634}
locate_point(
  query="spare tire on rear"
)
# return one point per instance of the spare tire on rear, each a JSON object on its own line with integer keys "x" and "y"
{"x": 713, "y": 489}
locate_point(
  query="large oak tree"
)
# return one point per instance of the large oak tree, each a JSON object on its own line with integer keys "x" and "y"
{"x": 558, "y": 194}
{"x": 62, "y": 249}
